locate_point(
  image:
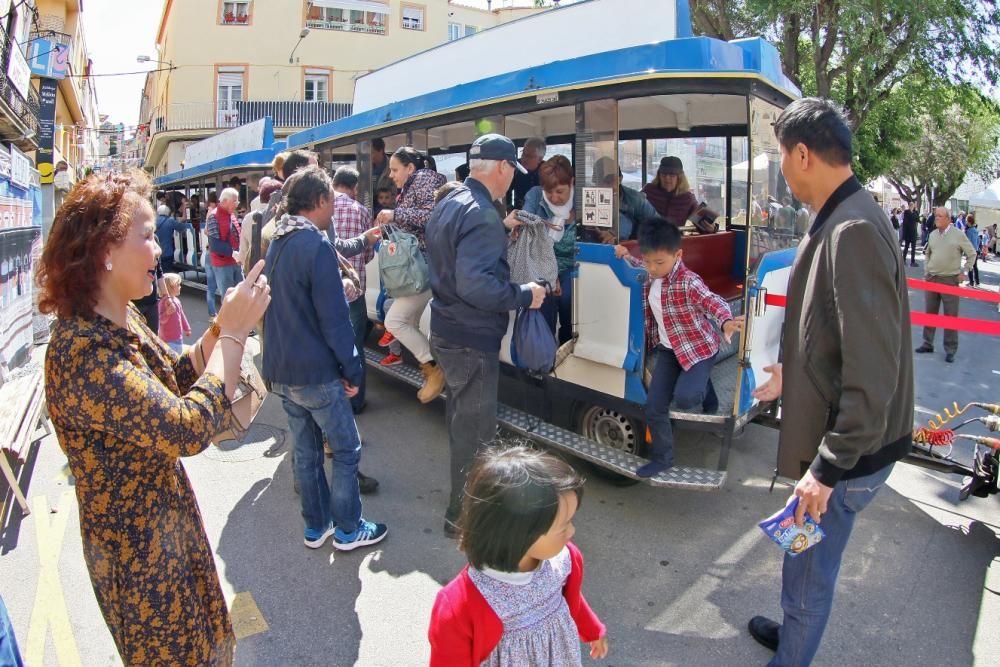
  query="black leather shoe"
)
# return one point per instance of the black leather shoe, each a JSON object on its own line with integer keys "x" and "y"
{"x": 950, "y": 357}
{"x": 924, "y": 349}
{"x": 765, "y": 631}
{"x": 367, "y": 485}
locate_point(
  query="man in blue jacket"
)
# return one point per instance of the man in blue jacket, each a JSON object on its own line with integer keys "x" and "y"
{"x": 313, "y": 365}
{"x": 470, "y": 280}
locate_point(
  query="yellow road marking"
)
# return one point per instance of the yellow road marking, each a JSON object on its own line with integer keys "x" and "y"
{"x": 246, "y": 617}
{"x": 49, "y": 608}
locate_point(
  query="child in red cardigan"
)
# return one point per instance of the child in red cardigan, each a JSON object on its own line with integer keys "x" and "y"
{"x": 518, "y": 602}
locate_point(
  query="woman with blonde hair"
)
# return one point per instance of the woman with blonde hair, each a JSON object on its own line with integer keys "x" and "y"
{"x": 669, "y": 192}
{"x": 126, "y": 408}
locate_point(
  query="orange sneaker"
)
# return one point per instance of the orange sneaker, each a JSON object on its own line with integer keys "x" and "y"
{"x": 386, "y": 340}
{"x": 391, "y": 360}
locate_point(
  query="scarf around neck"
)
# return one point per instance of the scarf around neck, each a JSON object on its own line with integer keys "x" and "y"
{"x": 560, "y": 216}
{"x": 290, "y": 223}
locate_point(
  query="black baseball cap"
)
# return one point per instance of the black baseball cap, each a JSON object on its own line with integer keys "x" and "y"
{"x": 495, "y": 147}
{"x": 671, "y": 165}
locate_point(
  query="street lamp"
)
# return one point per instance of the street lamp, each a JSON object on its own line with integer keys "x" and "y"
{"x": 302, "y": 35}
{"x": 147, "y": 59}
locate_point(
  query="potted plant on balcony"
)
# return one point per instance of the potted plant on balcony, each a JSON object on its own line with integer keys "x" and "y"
{"x": 243, "y": 18}
{"x": 229, "y": 17}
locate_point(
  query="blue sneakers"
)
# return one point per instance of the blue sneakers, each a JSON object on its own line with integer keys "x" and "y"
{"x": 314, "y": 539}
{"x": 368, "y": 533}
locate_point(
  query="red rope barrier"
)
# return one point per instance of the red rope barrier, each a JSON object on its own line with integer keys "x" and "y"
{"x": 928, "y": 286}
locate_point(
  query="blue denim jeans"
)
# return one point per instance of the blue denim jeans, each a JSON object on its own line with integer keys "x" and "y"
{"x": 360, "y": 324}
{"x": 561, "y": 306}
{"x": 672, "y": 384}
{"x": 809, "y": 579}
{"x": 227, "y": 276}
{"x": 313, "y": 410}
{"x": 472, "y": 378}
{"x": 212, "y": 288}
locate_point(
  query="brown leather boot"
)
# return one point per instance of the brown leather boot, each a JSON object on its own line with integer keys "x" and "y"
{"x": 433, "y": 382}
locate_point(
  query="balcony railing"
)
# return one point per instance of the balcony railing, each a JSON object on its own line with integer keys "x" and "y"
{"x": 208, "y": 116}
{"x": 346, "y": 26}
{"x": 25, "y": 109}
{"x": 235, "y": 19}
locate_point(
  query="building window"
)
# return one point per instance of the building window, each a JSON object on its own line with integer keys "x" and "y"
{"x": 317, "y": 85}
{"x": 471, "y": 30}
{"x": 236, "y": 12}
{"x": 454, "y": 31}
{"x": 352, "y": 20}
{"x": 413, "y": 17}
{"x": 229, "y": 91}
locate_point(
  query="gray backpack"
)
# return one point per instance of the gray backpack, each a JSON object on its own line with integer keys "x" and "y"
{"x": 402, "y": 266}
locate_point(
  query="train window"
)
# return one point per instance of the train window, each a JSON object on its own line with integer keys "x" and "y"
{"x": 541, "y": 123}
{"x": 451, "y": 136}
{"x": 597, "y": 174}
{"x": 447, "y": 163}
{"x": 740, "y": 187}
{"x": 681, "y": 112}
{"x": 704, "y": 160}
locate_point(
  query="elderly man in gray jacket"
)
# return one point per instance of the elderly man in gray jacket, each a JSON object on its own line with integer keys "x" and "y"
{"x": 846, "y": 381}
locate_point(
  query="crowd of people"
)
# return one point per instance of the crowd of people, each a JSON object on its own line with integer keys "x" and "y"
{"x": 127, "y": 404}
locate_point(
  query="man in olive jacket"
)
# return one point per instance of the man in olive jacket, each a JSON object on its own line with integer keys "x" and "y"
{"x": 846, "y": 377}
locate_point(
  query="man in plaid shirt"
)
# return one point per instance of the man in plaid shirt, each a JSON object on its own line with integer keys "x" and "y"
{"x": 679, "y": 308}
{"x": 353, "y": 235}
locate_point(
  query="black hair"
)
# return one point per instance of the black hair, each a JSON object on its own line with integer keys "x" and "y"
{"x": 409, "y": 155}
{"x": 511, "y": 499}
{"x": 820, "y": 125}
{"x": 346, "y": 177}
{"x": 296, "y": 160}
{"x": 430, "y": 163}
{"x": 658, "y": 234}
{"x": 378, "y": 144}
{"x": 161, "y": 195}
{"x": 384, "y": 188}
{"x": 305, "y": 189}
{"x": 462, "y": 171}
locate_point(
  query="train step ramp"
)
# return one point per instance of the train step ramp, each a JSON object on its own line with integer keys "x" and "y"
{"x": 550, "y": 435}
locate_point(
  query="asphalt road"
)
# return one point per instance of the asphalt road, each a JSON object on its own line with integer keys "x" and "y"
{"x": 675, "y": 575}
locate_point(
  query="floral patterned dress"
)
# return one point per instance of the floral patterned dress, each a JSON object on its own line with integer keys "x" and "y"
{"x": 125, "y": 409}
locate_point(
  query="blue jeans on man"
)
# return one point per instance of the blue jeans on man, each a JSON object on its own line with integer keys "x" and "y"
{"x": 313, "y": 410}
{"x": 686, "y": 389}
{"x": 472, "y": 378}
{"x": 212, "y": 288}
{"x": 809, "y": 579}
{"x": 361, "y": 325}
{"x": 227, "y": 276}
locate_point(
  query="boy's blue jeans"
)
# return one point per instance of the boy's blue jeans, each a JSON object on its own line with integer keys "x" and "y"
{"x": 672, "y": 384}
{"x": 809, "y": 579}
{"x": 313, "y": 410}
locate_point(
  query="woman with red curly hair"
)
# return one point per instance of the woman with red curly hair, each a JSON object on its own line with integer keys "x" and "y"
{"x": 126, "y": 408}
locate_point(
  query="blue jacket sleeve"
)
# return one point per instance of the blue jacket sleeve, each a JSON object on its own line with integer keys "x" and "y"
{"x": 333, "y": 312}
{"x": 533, "y": 203}
{"x": 480, "y": 242}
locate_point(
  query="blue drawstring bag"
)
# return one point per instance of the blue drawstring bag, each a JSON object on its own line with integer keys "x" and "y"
{"x": 533, "y": 345}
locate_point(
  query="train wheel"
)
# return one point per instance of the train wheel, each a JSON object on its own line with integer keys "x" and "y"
{"x": 612, "y": 429}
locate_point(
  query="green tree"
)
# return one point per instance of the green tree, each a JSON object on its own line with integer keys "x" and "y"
{"x": 957, "y": 136}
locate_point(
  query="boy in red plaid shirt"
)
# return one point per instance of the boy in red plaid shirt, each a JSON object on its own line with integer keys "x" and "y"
{"x": 680, "y": 310}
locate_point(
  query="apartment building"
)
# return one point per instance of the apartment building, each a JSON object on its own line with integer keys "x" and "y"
{"x": 58, "y": 28}
{"x": 225, "y": 63}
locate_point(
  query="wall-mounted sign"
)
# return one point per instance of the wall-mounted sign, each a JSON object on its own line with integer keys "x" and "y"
{"x": 18, "y": 72}
{"x": 597, "y": 203}
{"x": 46, "y": 127}
{"x": 20, "y": 168}
{"x": 250, "y": 137}
{"x": 4, "y": 162}
{"x": 48, "y": 59}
